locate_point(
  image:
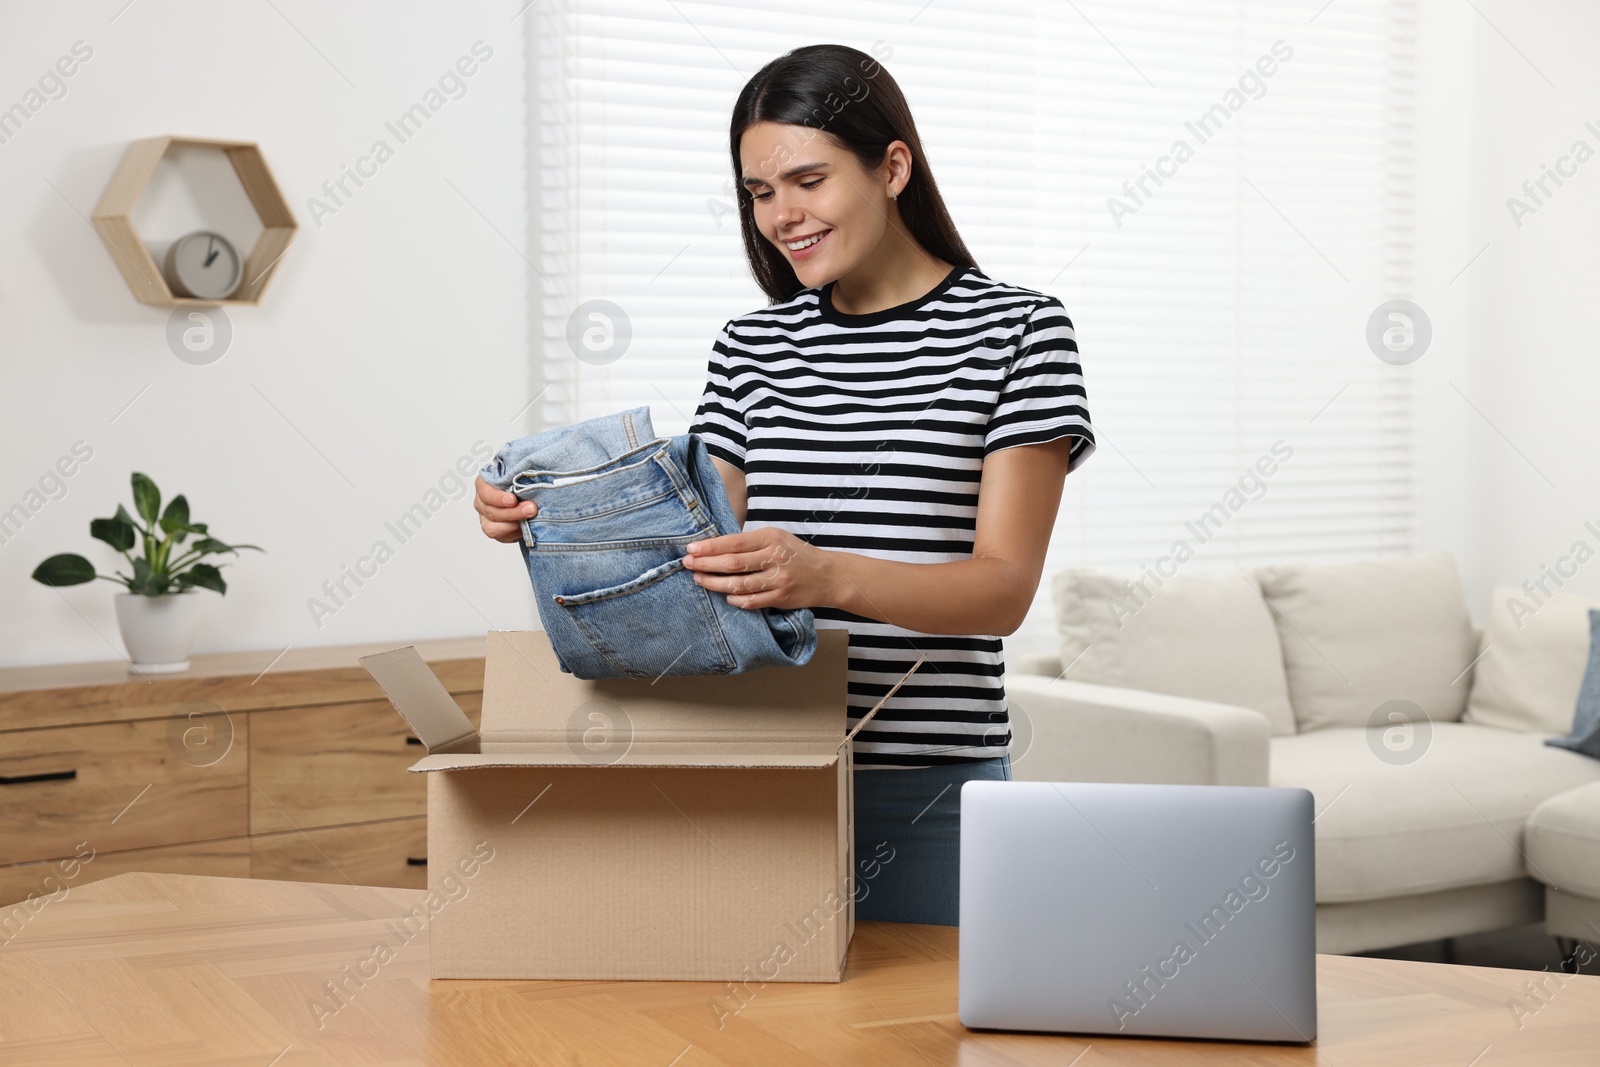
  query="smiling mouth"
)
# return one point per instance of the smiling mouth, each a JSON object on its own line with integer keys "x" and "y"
{"x": 806, "y": 243}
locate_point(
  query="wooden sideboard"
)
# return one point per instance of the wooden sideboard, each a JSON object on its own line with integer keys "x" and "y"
{"x": 282, "y": 765}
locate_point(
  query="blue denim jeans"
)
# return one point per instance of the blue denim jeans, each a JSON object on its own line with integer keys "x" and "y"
{"x": 908, "y": 840}
{"x": 570, "y": 448}
{"x": 605, "y": 553}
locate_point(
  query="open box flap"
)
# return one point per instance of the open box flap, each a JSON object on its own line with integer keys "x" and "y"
{"x": 636, "y": 752}
{"x": 675, "y": 756}
{"x": 422, "y": 700}
{"x": 528, "y": 698}
{"x": 851, "y": 736}
{"x": 547, "y": 717}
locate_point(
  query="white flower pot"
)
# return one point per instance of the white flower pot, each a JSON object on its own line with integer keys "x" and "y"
{"x": 158, "y": 630}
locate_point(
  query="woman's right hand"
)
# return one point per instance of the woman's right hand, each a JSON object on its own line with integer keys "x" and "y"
{"x": 499, "y": 512}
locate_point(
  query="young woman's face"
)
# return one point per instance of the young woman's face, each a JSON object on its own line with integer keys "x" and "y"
{"x": 804, "y": 186}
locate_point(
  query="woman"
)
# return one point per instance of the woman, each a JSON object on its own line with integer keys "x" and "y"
{"x": 893, "y": 433}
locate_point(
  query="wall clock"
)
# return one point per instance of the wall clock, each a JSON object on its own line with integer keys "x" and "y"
{"x": 203, "y": 264}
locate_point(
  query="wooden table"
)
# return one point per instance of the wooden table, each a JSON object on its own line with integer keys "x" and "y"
{"x": 170, "y": 970}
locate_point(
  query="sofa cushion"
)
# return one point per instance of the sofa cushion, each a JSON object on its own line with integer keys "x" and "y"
{"x": 1356, "y": 636}
{"x": 1445, "y": 810}
{"x": 1207, "y": 637}
{"x": 1562, "y": 841}
{"x": 1584, "y": 736}
{"x": 1533, "y": 661}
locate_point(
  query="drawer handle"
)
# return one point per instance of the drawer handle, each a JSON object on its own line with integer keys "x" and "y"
{"x": 48, "y": 776}
{"x": 413, "y": 740}
{"x": 416, "y": 861}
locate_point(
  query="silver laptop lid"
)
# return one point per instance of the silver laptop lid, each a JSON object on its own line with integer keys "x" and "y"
{"x": 1148, "y": 910}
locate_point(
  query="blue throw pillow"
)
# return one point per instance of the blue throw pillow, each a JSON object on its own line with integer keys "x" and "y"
{"x": 1585, "y": 736}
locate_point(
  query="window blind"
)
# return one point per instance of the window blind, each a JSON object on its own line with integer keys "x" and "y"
{"x": 1218, "y": 192}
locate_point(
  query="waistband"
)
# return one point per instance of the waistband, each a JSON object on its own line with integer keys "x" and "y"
{"x": 580, "y": 445}
{"x": 653, "y": 471}
{"x": 548, "y": 479}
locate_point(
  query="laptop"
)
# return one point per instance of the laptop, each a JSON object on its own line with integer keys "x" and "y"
{"x": 1138, "y": 910}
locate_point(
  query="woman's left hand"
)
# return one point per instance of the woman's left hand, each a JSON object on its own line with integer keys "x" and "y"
{"x": 763, "y": 568}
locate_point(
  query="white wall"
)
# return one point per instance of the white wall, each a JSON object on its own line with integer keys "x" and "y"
{"x": 393, "y": 336}
{"x": 1508, "y": 390}
{"x": 1534, "y": 371}
{"x": 1448, "y": 514}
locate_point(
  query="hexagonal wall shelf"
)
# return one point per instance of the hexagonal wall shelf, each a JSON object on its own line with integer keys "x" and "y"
{"x": 112, "y": 217}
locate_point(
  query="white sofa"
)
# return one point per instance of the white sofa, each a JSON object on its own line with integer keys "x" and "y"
{"x": 1419, "y": 735}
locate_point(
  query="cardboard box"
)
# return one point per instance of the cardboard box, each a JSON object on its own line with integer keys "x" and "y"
{"x": 684, "y": 828}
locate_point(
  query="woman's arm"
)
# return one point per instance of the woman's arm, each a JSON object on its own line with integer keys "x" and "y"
{"x": 1018, "y": 497}
{"x": 733, "y": 482}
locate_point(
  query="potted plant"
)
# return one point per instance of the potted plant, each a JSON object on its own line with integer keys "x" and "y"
{"x": 157, "y": 613}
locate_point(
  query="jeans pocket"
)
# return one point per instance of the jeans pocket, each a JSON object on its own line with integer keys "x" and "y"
{"x": 794, "y": 631}
{"x": 660, "y": 622}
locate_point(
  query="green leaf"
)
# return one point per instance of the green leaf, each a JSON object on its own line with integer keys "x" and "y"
{"x": 210, "y": 545}
{"x": 175, "y": 520}
{"x": 146, "y": 581}
{"x": 146, "y": 497}
{"x": 207, "y": 546}
{"x": 65, "y": 569}
{"x": 114, "y": 532}
{"x": 205, "y": 576}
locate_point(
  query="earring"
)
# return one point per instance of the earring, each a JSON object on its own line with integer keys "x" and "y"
{"x": 894, "y": 196}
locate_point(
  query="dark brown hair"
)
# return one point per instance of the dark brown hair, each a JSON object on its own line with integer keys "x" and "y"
{"x": 850, "y": 97}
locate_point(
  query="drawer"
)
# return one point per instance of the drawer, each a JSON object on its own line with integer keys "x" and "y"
{"x": 392, "y": 853}
{"x": 338, "y": 764}
{"x": 125, "y": 785}
{"x": 225, "y": 859}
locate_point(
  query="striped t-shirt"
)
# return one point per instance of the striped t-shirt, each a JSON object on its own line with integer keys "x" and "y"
{"x": 867, "y": 434}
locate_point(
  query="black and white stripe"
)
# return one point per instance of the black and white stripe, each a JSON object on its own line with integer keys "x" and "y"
{"x": 867, "y": 434}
